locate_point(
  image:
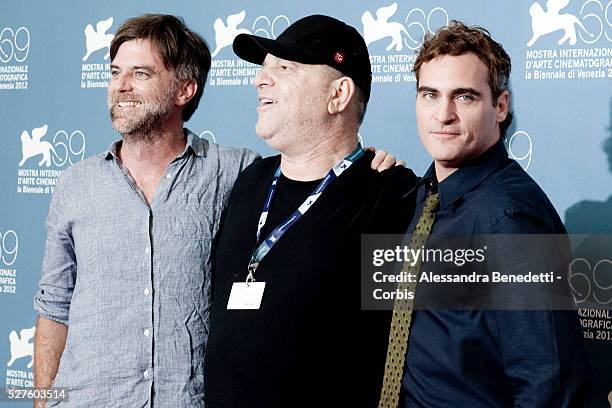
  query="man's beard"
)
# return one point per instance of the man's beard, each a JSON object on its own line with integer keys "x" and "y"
{"x": 146, "y": 123}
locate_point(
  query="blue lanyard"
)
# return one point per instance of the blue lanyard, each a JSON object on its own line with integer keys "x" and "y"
{"x": 262, "y": 250}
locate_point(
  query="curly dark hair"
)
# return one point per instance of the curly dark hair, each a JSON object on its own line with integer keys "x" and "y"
{"x": 458, "y": 39}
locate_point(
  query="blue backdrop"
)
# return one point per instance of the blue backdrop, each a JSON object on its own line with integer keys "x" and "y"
{"x": 54, "y": 71}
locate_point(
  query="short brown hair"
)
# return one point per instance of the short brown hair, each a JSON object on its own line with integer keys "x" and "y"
{"x": 180, "y": 48}
{"x": 458, "y": 39}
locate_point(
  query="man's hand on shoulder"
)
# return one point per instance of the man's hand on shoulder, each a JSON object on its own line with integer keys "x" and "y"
{"x": 383, "y": 160}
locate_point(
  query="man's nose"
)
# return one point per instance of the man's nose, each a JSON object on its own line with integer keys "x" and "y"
{"x": 121, "y": 82}
{"x": 263, "y": 78}
{"x": 446, "y": 111}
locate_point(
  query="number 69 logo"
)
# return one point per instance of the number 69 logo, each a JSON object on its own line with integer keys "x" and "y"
{"x": 14, "y": 44}
{"x": 262, "y": 26}
{"x": 520, "y": 148}
{"x": 591, "y": 282}
{"x": 420, "y": 23}
{"x": 9, "y": 247}
{"x": 68, "y": 147}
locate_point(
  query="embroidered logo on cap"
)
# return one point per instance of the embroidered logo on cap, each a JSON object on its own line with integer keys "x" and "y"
{"x": 339, "y": 57}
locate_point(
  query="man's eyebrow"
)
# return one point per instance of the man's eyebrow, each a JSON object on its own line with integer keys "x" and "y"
{"x": 136, "y": 67}
{"x": 454, "y": 92}
{"x": 144, "y": 67}
{"x": 426, "y": 89}
{"x": 469, "y": 91}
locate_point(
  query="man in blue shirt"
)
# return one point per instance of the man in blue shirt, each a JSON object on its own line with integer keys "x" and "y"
{"x": 124, "y": 297}
{"x": 483, "y": 358}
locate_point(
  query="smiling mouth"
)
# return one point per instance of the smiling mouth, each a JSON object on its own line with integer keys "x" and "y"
{"x": 265, "y": 101}
{"x": 128, "y": 104}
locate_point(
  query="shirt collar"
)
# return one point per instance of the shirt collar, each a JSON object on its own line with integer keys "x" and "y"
{"x": 194, "y": 143}
{"x": 199, "y": 145}
{"x": 468, "y": 176}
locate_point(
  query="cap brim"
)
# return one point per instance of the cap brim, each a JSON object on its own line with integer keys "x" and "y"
{"x": 254, "y": 49}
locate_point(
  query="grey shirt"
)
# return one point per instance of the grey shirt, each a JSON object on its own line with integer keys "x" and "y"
{"x": 132, "y": 281}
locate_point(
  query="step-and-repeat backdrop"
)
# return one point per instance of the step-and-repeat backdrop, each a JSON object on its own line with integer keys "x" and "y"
{"x": 54, "y": 70}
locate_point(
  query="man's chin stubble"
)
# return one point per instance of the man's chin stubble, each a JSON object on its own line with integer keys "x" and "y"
{"x": 145, "y": 130}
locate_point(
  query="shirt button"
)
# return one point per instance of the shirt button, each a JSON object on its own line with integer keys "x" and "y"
{"x": 147, "y": 291}
{"x": 146, "y": 374}
{"x": 168, "y": 176}
{"x": 146, "y": 332}
{"x": 147, "y": 250}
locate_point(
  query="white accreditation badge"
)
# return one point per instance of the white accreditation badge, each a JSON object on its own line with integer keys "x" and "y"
{"x": 246, "y": 296}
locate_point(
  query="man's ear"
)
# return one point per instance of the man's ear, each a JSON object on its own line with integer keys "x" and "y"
{"x": 502, "y": 106}
{"x": 343, "y": 90}
{"x": 186, "y": 91}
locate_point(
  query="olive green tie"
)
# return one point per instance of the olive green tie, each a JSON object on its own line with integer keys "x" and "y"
{"x": 402, "y": 311}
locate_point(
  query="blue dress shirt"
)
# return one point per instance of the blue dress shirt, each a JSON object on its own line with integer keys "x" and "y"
{"x": 494, "y": 358}
{"x": 131, "y": 280}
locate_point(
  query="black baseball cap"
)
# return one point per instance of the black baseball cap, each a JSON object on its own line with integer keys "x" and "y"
{"x": 315, "y": 39}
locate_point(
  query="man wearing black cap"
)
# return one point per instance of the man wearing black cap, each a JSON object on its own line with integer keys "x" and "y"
{"x": 286, "y": 326}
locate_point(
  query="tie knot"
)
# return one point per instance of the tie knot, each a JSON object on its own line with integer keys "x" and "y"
{"x": 431, "y": 203}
